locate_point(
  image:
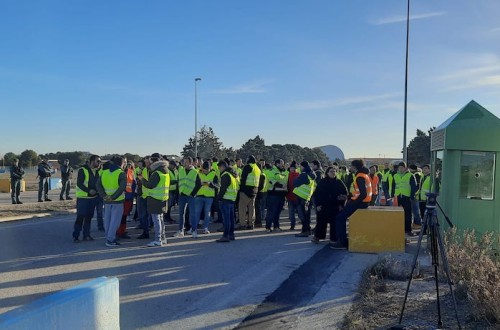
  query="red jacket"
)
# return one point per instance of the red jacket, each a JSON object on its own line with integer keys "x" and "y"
{"x": 290, "y": 195}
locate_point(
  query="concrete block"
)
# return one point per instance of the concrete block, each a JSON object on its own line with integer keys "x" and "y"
{"x": 377, "y": 229}
{"x": 91, "y": 305}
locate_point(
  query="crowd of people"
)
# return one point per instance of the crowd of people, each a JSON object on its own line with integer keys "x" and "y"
{"x": 240, "y": 195}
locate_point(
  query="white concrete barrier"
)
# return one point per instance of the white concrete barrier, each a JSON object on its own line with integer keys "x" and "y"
{"x": 91, "y": 305}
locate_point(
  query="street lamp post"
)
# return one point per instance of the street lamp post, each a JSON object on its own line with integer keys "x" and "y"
{"x": 196, "y": 116}
{"x": 405, "y": 149}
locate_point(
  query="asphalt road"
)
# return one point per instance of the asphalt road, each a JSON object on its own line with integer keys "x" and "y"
{"x": 188, "y": 284}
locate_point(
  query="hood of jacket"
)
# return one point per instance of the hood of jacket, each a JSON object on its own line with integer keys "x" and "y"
{"x": 110, "y": 166}
{"x": 160, "y": 165}
{"x": 364, "y": 170}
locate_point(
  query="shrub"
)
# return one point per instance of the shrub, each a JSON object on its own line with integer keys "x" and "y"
{"x": 474, "y": 264}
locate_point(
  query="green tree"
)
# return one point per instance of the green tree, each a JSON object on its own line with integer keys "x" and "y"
{"x": 209, "y": 145}
{"x": 255, "y": 147}
{"x": 8, "y": 158}
{"x": 419, "y": 149}
{"x": 28, "y": 158}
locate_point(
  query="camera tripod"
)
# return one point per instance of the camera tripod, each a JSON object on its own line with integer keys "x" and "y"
{"x": 430, "y": 224}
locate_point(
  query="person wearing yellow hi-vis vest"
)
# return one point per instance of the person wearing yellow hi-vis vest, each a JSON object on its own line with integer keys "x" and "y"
{"x": 86, "y": 197}
{"x": 276, "y": 191}
{"x": 111, "y": 186}
{"x": 260, "y": 198}
{"x": 360, "y": 199}
{"x": 204, "y": 192}
{"x": 187, "y": 181}
{"x": 142, "y": 195}
{"x": 158, "y": 193}
{"x": 404, "y": 189}
{"x": 424, "y": 188}
{"x": 173, "y": 190}
{"x": 303, "y": 188}
{"x": 226, "y": 197}
{"x": 249, "y": 186}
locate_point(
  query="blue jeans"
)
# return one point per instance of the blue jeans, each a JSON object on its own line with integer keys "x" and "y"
{"x": 202, "y": 204}
{"x": 183, "y": 202}
{"x": 159, "y": 226}
{"x": 341, "y": 219}
{"x": 112, "y": 218}
{"x": 142, "y": 210}
{"x": 292, "y": 207}
{"x": 99, "y": 209}
{"x": 84, "y": 211}
{"x": 274, "y": 206}
{"x": 227, "y": 211}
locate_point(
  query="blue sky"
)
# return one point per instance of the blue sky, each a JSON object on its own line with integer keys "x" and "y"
{"x": 118, "y": 76}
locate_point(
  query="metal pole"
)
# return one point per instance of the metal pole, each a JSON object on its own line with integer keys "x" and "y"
{"x": 405, "y": 150}
{"x": 196, "y": 116}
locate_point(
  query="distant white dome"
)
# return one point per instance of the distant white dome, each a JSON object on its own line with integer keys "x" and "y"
{"x": 333, "y": 152}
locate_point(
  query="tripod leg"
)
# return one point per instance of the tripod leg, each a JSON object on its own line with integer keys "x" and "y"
{"x": 422, "y": 231}
{"x": 444, "y": 259}
{"x": 435, "y": 263}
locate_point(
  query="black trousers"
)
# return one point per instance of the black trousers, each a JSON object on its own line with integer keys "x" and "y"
{"x": 405, "y": 202}
{"x": 325, "y": 217}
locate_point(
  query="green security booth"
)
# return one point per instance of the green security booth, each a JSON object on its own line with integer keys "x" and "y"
{"x": 464, "y": 151}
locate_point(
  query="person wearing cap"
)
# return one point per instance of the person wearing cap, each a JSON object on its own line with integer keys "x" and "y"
{"x": 158, "y": 193}
{"x": 361, "y": 196}
{"x": 204, "y": 192}
{"x": 45, "y": 171}
{"x": 66, "y": 174}
{"x": 405, "y": 187}
{"x": 111, "y": 186}
{"x": 276, "y": 192}
{"x": 226, "y": 198}
{"x": 249, "y": 186}
{"x": 303, "y": 188}
{"x": 16, "y": 177}
{"x": 86, "y": 197}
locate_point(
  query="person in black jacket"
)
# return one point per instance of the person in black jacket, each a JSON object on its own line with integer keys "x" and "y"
{"x": 360, "y": 199}
{"x": 16, "y": 176}
{"x": 66, "y": 173}
{"x": 330, "y": 194}
{"x": 44, "y": 173}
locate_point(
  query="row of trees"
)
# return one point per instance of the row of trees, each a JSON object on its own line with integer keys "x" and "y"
{"x": 209, "y": 145}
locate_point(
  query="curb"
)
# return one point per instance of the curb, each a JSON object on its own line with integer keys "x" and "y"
{"x": 37, "y": 215}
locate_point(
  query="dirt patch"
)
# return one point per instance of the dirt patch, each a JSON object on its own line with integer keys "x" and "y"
{"x": 29, "y": 209}
{"x": 379, "y": 304}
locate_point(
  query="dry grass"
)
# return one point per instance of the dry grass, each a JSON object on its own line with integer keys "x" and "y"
{"x": 475, "y": 267}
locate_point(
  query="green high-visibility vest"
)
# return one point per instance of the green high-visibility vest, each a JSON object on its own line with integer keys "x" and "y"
{"x": 276, "y": 176}
{"x": 160, "y": 192}
{"x": 187, "y": 181}
{"x": 80, "y": 193}
{"x": 425, "y": 187}
{"x": 110, "y": 183}
{"x": 305, "y": 191}
{"x": 173, "y": 180}
{"x": 145, "y": 175}
{"x": 206, "y": 190}
{"x": 232, "y": 190}
{"x": 253, "y": 177}
{"x": 403, "y": 187}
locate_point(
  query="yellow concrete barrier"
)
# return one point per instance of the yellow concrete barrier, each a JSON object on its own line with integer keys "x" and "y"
{"x": 377, "y": 229}
{"x": 5, "y": 185}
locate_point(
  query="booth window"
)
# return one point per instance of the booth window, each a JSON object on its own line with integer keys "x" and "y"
{"x": 477, "y": 175}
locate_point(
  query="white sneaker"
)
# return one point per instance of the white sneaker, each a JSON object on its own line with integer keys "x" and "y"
{"x": 154, "y": 243}
{"x": 179, "y": 234}
{"x": 206, "y": 231}
{"x": 190, "y": 231}
{"x": 195, "y": 234}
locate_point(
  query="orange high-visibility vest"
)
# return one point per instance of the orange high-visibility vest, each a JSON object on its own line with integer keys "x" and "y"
{"x": 368, "y": 185}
